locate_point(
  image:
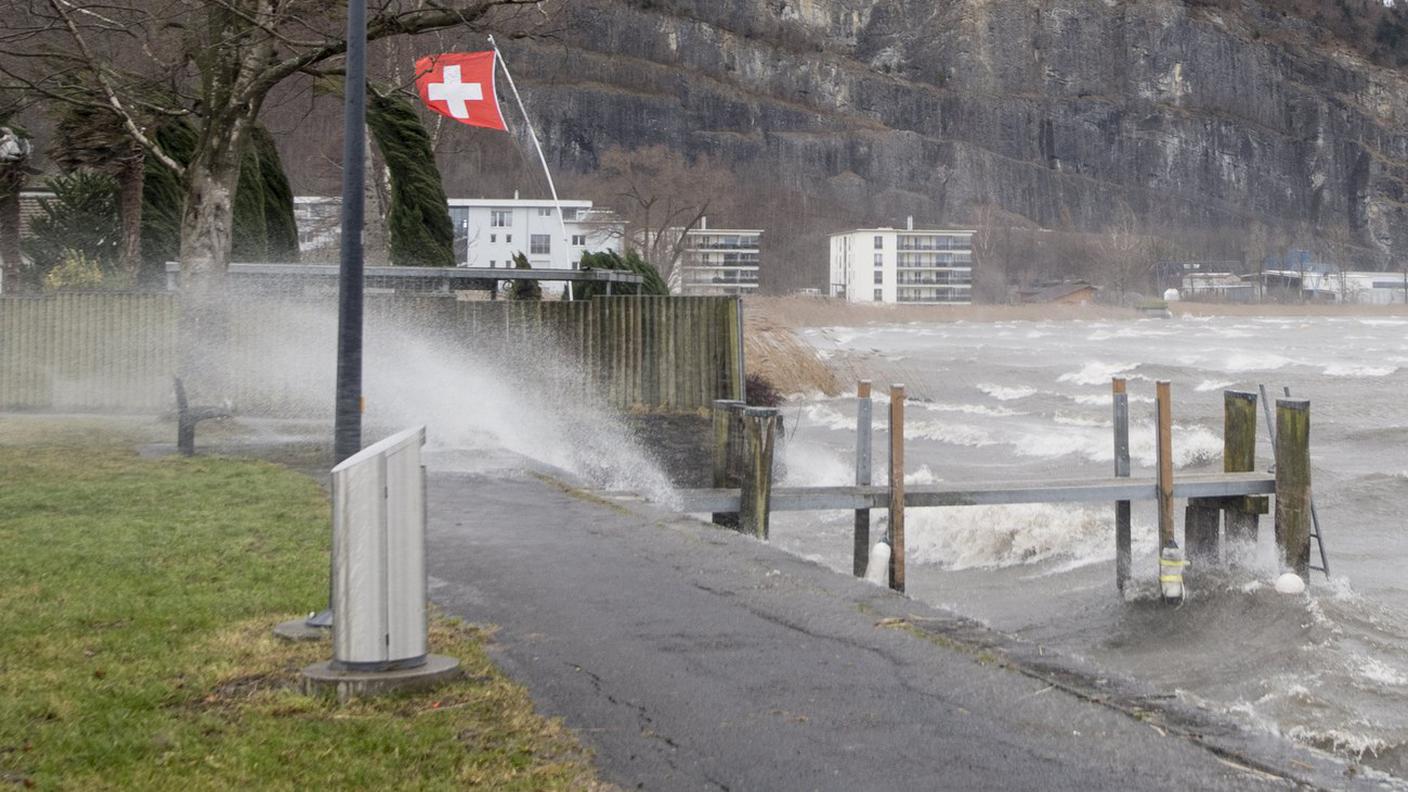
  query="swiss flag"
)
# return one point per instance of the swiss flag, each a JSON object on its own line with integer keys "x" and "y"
{"x": 461, "y": 85}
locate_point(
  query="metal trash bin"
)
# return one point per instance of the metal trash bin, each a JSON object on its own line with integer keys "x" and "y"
{"x": 378, "y": 546}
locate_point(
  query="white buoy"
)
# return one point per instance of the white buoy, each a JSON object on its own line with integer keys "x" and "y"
{"x": 1290, "y": 583}
{"x": 877, "y": 570}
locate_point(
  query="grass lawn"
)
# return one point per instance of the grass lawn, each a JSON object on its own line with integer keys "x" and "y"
{"x": 136, "y": 598}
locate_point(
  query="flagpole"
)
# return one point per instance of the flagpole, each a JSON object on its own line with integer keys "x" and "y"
{"x": 557, "y": 204}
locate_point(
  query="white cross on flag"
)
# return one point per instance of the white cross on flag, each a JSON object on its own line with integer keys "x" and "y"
{"x": 461, "y": 85}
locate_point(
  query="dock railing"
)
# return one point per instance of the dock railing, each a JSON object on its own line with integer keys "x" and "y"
{"x": 1234, "y": 498}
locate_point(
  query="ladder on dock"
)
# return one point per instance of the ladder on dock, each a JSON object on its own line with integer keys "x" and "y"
{"x": 1315, "y": 532}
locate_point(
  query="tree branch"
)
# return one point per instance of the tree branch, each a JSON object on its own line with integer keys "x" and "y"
{"x": 110, "y": 93}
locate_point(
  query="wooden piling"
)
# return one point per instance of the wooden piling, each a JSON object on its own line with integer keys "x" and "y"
{"x": 1200, "y": 527}
{"x": 759, "y": 432}
{"x": 1164, "y": 432}
{"x": 726, "y": 424}
{"x": 1293, "y": 484}
{"x": 1122, "y": 509}
{"x": 1239, "y": 456}
{"x": 897, "y": 487}
{"x": 861, "y": 555}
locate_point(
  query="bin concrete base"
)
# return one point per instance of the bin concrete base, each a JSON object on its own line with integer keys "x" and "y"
{"x": 298, "y": 630}
{"x": 323, "y": 679}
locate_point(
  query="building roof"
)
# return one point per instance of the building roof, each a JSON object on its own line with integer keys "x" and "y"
{"x": 914, "y": 231}
{"x": 1057, "y": 291}
{"x": 512, "y": 203}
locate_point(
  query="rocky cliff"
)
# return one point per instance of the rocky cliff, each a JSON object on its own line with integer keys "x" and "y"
{"x": 839, "y": 113}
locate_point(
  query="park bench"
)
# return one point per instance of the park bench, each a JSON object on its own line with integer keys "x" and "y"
{"x": 187, "y": 417}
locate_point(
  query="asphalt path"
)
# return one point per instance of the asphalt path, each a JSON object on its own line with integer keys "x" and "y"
{"x": 689, "y": 657}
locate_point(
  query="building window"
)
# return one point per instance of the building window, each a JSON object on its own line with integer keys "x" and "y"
{"x": 539, "y": 244}
{"x": 879, "y": 242}
{"x": 459, "y": 216}
{"x": 544, "y": 211}
{"x": 491, "y": 263}
{"x": 500, "y": 218}
{"x": 879, "y": 295}
{"x": 879, "y": 259}
{"x": 493, "y": 237}
{"x": 879, "y": 277}
{"x": 508, "y": 238}
{"x": 569, "y": 214}
{"x": 579, "y": 240}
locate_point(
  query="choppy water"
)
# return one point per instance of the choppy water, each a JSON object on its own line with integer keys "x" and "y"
{"x": 1030, "y": 400}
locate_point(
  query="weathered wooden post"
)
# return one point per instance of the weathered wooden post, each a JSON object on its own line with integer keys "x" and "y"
{"x": 1293, "y": 484}
{"x": 1201, "y": 522}
{"x": 1164, "y": 448}
{"x": 861, "y": 550}
{"x": 725, "y": 414}
{"x": 759, "y": 432}
{"x": 897, "y": 487}
{"x": 1239, "y": 456}
{"x": 1122, "y": 534}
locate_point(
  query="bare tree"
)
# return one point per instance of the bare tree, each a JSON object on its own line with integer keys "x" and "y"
{"x": 662, "y": 196}
{"x": 992, "y": 252}
{"x": 1255, "y": 244}
{"x": 1124, "y": 250}
{"x": 14, "y": 171}
{"x": 210, "y": 63}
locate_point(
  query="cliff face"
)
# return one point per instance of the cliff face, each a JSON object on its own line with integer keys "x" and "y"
{"x": 837, "y": 113}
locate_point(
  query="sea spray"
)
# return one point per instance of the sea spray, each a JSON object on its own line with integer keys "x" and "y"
{"x": 526, "y": 397}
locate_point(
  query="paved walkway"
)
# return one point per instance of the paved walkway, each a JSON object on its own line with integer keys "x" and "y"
{"x": 692, "y": 658}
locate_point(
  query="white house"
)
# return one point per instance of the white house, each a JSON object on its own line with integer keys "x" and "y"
{"x": 909, "y": 265}
{"x": 717, "y": 261}
{"x": 488, "y": 231}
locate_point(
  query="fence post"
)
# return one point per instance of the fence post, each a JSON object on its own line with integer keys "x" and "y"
{"x": 759, "y": 432}
{"x": 897, "y": 487}
{"x": 1122, "y": 534}
{"x": 1293, "y": 484}
{"x": 862, "y": 535}
{"x": 1239, "y": 456}
{"x": 725, "y": 423}
{"x": 1164, "y": 430}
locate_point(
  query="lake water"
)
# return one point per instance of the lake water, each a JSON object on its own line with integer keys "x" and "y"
{"x": 1031, "y": 400}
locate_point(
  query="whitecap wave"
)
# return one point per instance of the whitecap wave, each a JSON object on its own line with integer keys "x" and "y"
{"x": 966, "y": 537}
{"x": 1006, "y": 393}
{"x": 1096, "y": 373}
{"x": 1358, "y": 370}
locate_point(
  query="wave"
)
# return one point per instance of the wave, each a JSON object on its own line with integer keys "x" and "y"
{"x": 1006, "y": 393}
{"x": 1357, "y": 370}
{"x": 1214, "y": 385}
{"x": 1096, "y": 373}
{"x": 967, "y": 537}
{"x": 970, "y": 409}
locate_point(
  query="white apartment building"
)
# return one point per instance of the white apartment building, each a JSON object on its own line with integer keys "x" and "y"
{"x": 909, "y": 265}
{"x": 717, "y": 261}
{"x": 488, "y": 231}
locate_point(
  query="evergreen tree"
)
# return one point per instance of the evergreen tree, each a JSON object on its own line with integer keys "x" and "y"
{"x": 281, "y": 230}
{"x": 524, "y": 289}
{"x": 163, "y": 200}
{"x": 80, "y": 221}
{"x": 652, "y": 284}
{"x": 264, "y": 225}
{"x": 251, "y": 238}
{"x": 418, "y": 220}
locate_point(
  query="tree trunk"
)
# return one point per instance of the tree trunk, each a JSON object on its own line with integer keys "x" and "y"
{"x": 130, "y": 181}
{"x": 12, "y": 179}
{"x": 10, "y": 240}
{"x": 207, "y": 226}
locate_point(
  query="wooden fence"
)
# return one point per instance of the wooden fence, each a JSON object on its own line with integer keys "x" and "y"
{"x": 118, "y": 351}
